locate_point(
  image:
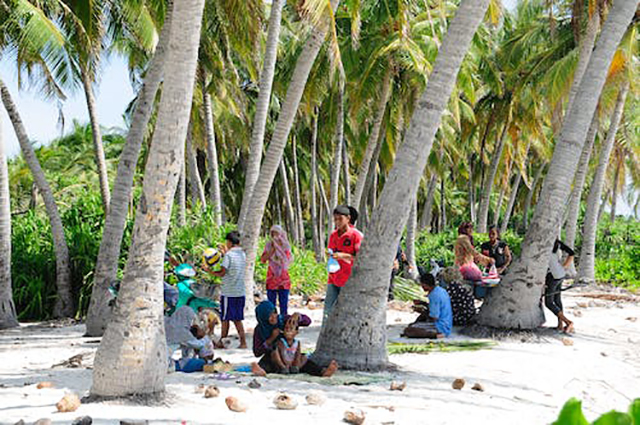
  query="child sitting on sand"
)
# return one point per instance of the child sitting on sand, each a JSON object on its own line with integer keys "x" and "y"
{"x": 205, "y": 351}
{"x": 288, "y": 355}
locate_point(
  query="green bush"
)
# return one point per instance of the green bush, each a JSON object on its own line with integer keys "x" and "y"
{"x": 618, "y": 253}
{"x": 571, "y": 414}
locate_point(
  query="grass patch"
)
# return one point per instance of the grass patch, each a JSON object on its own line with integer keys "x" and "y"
{"x": 445, "y": 347}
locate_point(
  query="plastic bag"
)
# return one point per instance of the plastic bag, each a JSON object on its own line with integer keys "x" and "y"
{"x": 492, "y": 278}
{"x": 332, "y": 265}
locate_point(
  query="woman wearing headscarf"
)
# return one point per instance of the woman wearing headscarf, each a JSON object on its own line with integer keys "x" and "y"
{"x": 466, "y": 255}
{"x": 265, "y": 337}
{"x": 277, "y": 252}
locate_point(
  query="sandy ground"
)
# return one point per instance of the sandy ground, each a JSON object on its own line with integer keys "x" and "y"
{"x": 525, "y": 382}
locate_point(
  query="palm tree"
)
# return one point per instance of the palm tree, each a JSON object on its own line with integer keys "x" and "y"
{"x": 8, "y": 318}
{"x": 262, "y": 108}
{"x": 64, "y": 302}
{"x": 273, "y": 156}
{"x": 586, "y": 268}
{"x": 516, "y": 302}
{"x": 115, "y": 221}
{"x": 354, "y": 334}
{"x": 212, "y": 157}
{"x": 132, "y": 356}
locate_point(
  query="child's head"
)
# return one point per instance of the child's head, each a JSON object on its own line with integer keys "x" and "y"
{"x": 233, "y": 238}
{"x": 452, "y": 275}
{"x": 290, "y": 331}
{"x": 197, "y": 331}
{"x": 341, "y": 216}
{"x": 427, "y": 281}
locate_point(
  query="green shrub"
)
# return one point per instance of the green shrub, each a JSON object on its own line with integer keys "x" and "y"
{"x": 618, "y": 253}
{"x": 571, "y": 414}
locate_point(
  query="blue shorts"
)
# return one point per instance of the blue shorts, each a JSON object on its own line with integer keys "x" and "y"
{"x": 232, "y": 308}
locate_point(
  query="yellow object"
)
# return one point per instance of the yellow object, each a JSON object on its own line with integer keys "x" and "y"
{"x": 211, "y": 257}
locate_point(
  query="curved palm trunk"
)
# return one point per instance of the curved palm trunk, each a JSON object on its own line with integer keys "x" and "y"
{"x": 586, "y": 268}
{"x": 472, "y": 194}
{"x": 373, "y": 141}
{"x": 98, "y": 147}
{"x": 8, "y": 317}
{"x": 296, "y": 194}
{"x": 483, "y": 211}
{"x": 586, "y": 48}
{"x": 512, "y": 200}
{"x": 291, "y": 217}
{"x": 212, "y": 157}
{"x": 195, "y": 182}
{"x": 614, "y": 190}
{"x": 355, "y": 332}
{"x": 181, "y": 195}
{"x": 346, "y": 172}
{"x": 337, "y": 151}
{"x": 496, "y": 213}
{"x": 578, "y": 184}
{"x": 427, "y": 212}
{"x": 516, "y": 302}
{"x": 443, "y": 207}
{"x": 262, "y": 109}
{"x": 603, "y": 204}
{"x": 116, "y": 219}
{"x": 64, "y": 302}
{"x": 530, "y": 194}
{"x": 273, "y": 156}
{"x": 315, "y": 225}
{"x": 132, "y": 357}
{"x": 412, "y": 223}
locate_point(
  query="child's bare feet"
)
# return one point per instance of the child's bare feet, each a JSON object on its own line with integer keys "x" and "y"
{"x": 257, "y": 370}
{"x": 331, "y": 369}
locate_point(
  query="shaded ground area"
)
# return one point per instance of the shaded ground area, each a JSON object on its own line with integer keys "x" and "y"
{"x": 526, "y": 379}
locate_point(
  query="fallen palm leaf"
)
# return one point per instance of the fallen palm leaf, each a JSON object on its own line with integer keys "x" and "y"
{"x": 402, "y": 348}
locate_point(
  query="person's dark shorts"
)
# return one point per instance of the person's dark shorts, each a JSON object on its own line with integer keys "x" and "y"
{"x": 232, "y": 308}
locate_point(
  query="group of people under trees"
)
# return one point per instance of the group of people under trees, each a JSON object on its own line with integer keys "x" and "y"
{"x": 451, "y": 303}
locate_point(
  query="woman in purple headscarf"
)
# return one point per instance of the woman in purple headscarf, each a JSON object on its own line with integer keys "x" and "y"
{"x": 277, "y": 252}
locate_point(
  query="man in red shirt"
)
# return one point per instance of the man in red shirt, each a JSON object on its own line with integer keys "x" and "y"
{"x": 344, "y": 243}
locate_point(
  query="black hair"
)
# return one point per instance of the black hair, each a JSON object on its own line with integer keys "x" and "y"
{"x": 494, "y": 227}
{"x": 233, "y": 237}
{"x": 353, "y": 215}
{"x": 428, "y": 280}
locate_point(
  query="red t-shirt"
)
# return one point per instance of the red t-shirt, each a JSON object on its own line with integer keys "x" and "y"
{"x": 349, "y": 242}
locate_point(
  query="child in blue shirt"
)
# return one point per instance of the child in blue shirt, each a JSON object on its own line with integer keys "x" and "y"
{"x": 440, "y": 313}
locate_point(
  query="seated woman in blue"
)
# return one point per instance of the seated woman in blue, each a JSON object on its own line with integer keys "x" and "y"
{"x": 440, "y": 313}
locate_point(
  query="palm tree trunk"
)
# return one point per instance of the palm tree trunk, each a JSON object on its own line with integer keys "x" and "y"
{"x": 472, "y": 193}
{"x": 98, "y": 148}
{"x": 64, "y": 302}
{"x": 337, "y": 151}
{"x": 529, "y": 200}
{"x": 296, "y": 179}
{"x": 318, "y": 249}
{"x": 496, "y": 213}
{"x": 115, "y": 221}
{"x": 373, "y": 141}
{"x": 412, "y": 223}
{"x": 355, "y": 333}
{"x": 614, "y": 190}
{"x": 586, "y": 48}
{"x": 427, "y": 212}
{"x": 212, "y": 156}
{"x": 8, "y": 316}
{"x": 443, "y": 207}
{"x": 512, "y": 200}
{"x": 132, "y": 357}
{"x": 291, "y": 216}
{"x": 181, "y": 195}
{"x": 483, "y": 215}
{"x": 262, "y": 109}
{"x": 515, "y": 303}
{"x": 273, "y": 156}
{"x": 603, "y": 204}
{"x": 586, "y": 268}
{"x": 578, "y": 183}
{"x": 195, "y": 182}
{"x": 346, "y": 172}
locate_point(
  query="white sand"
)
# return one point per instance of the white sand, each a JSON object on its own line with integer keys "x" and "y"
{"x": 524, "y": 382}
